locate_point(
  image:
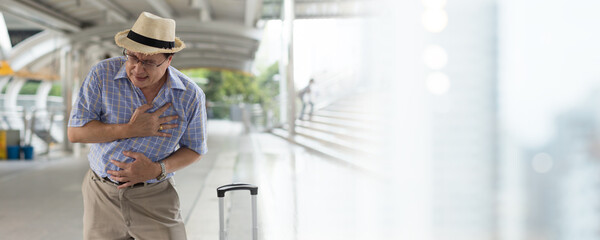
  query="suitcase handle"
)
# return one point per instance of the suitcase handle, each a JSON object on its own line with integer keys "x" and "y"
{"x": 233, "y": 187}
{"x": 236, "y": 186}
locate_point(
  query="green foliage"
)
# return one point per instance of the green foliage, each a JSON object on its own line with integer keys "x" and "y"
{"x": 56, "y": 90}
{"x": 268, "y": 84}
{"x": 232, "y": 87}
{"x": 224, "y": 88}
{"x": 30, "y": 87}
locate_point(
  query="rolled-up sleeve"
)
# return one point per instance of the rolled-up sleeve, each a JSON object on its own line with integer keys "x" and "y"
{"x": 194, "y": 137}
{"x": 88, "y": 105}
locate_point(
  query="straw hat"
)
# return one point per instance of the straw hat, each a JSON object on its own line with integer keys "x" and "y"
{"x": 150, "y": 34}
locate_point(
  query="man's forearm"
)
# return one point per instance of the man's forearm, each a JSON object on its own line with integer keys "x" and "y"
{"x": 141, "y": 124}
{"x": 98, "y": 132}
{"x": 181, "y": 158}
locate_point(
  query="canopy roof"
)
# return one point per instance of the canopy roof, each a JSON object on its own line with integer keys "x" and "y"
{"x": 218, "y": 33}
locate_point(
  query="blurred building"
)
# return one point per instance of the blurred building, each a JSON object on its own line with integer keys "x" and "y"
{"x": 564, "y": 178}
{"x": 464, "y": 117}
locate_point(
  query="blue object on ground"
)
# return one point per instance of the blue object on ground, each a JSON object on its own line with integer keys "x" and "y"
{"x": 13, "y": 151}
{"x": 27, "y": 152}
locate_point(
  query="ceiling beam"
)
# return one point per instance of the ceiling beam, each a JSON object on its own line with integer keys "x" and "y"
{"x": 250, "y": 13}
{"x": 209, "y": 59}
{"x": 205, "y": 9}
{"x": 185, "y": 29}
{"x": 112, "y": 9}
{"x": 220, "y": 27}
{"x": 316, "y": 9}
{"x": 212, "y": 63}
{"x": 98, "y": 33}
{"x": 213, "y": 38}
{"x": 5, "y": 44}
{"x": 162, "y": 8}
{"x": 31, "y": 24}
{"x": 40, "y": 15}
{"x": 36, "y": 47}
{"x": 214, "y": 53}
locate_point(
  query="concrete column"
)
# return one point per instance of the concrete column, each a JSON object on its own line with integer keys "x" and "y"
{"x": 4, "y": 81}
{"x": 66, "y": 76}
{"x": 10, "y": 105}
{"x": 41, "y": 95}
{"x": 12, "y": 92}
{"x": 287, "y": 90}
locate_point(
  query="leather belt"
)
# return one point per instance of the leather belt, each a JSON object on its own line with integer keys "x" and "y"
{"x": 140, "y": 184}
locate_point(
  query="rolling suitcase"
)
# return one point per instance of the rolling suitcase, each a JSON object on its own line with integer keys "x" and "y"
{"x": 234, "y": 187}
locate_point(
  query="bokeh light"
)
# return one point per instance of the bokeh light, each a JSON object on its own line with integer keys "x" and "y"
{"x": 438, "y": 83}
{"x": 542, "y": 162}
{"x": 435, "y": 20}
{"x": 435, "y": 57}
{"x": 434, "y": 3}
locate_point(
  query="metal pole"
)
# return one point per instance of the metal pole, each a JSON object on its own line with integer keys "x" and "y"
{"x": 254, "y": 219}
{"x": 221, "y": 220}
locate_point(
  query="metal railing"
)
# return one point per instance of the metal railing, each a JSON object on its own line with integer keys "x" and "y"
{"x": 253, "y": 116}
{"x": 38, "y": 127}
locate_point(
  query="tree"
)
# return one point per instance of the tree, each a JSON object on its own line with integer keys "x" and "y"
{"x": 233, "y": 87}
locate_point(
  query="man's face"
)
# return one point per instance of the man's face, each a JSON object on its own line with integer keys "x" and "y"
{"x": 146, "y": 71}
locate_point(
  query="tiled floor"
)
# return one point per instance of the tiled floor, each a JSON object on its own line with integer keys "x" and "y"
{"x": 301, "y": 195}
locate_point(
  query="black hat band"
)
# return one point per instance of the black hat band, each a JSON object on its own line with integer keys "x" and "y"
{"x": 149, "y": 41}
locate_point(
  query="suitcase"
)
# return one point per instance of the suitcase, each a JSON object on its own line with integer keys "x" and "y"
{"x": 234, "y": 187}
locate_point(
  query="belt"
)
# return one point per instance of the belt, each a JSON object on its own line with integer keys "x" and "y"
{"x": 140, "y": 184}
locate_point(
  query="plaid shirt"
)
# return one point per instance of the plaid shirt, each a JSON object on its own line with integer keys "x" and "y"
{"x": 108, "y": 96}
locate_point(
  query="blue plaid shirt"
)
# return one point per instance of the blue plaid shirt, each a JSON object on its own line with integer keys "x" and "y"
{"x": 108, "y": 96}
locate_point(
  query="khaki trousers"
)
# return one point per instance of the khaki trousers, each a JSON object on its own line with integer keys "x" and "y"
{"x": 144, "y": 212}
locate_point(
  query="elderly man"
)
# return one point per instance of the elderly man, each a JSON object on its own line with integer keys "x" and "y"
{"x": 145, "y": 120}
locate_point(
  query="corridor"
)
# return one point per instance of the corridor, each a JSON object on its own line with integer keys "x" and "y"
{"x": 302, "y": 195}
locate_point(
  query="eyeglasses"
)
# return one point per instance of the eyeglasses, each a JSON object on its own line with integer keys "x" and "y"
{"x": 145, "y": 64}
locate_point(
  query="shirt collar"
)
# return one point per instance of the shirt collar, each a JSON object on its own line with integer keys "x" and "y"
{"x": 176, "y": 82}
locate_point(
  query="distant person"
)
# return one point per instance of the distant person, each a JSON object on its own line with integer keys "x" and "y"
{"x": 306, "y": 96}
{"x": 145, "y": 120}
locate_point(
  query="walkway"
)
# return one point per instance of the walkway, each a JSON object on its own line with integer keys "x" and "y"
{"x": 302, "y": 195}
